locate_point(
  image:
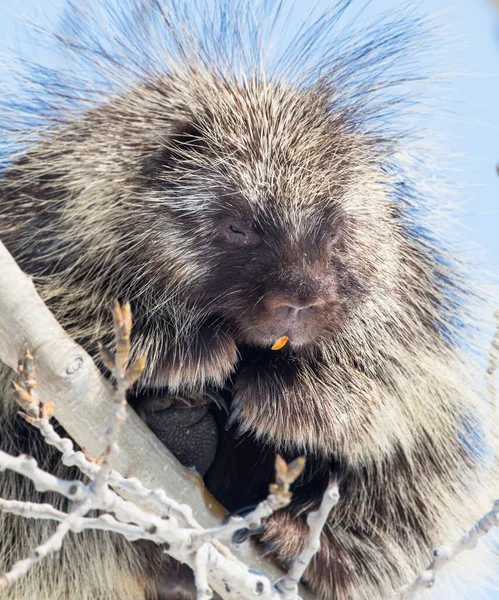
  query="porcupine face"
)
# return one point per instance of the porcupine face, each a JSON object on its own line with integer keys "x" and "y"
{"x": 265, "y": 189}
{"x": 271, "y": 278}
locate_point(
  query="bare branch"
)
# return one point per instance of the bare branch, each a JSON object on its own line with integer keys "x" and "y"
{"x": 223, "y": 571}
{"x": 288, "y": 585}
{"x": 444, "y": 554}
{"x": 82, "y": 397}
{"x": 122, "y": 317}
{"x": 67, "y": 375}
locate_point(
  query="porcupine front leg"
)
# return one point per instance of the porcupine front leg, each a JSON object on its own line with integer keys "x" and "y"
{"x": 178, "y": 404}
{"x": 185, "y": 425}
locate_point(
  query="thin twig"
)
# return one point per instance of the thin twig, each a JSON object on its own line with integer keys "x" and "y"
{"x": 201, "y": 573}
{"x": 444, "y": 554}
{"x": 288, "y": 585}
{"x": 184, "y": 544}
{"x": 199, "y": 548}
{"x": 122, "y": 317}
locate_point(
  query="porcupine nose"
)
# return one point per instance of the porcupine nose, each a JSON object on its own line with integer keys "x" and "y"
{"x": 288, "y": 312}
{"x": 294, "y": 313}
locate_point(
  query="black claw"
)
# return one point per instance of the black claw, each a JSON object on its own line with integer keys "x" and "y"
{"x": 243, "y": 511}
{"x": 233, "y": 417}
{"x": 241, "y": 535}
{"x": 239, "y": 431}
{"x": 219, "y": 400}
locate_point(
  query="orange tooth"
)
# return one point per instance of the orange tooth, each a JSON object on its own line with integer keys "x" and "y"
{"x": 280, "y": 342}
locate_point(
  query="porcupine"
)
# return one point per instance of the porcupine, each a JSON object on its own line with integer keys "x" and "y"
{"x": 233, "y": 200}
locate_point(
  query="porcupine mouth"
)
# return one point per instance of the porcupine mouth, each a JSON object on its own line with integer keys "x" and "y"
{"x": 279, "y": 336}
{"x": 290, "y": 327}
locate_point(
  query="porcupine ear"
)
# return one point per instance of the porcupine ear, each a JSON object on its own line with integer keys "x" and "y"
{"x": 185, "y": 138}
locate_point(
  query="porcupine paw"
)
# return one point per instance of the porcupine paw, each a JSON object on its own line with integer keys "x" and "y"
{"x": 190, "y": 433}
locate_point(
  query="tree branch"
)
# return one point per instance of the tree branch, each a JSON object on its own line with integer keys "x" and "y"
{"x": 213, "y": 564}
{"x": 82, "y": 399}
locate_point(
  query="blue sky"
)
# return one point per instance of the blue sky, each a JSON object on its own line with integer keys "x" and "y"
{"x": 466, "y": 122}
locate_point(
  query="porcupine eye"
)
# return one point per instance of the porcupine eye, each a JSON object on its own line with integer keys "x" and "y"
{"x": 240, "y": 233}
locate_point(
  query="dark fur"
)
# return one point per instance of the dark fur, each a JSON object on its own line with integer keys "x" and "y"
{"x": 214, "y": 203}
